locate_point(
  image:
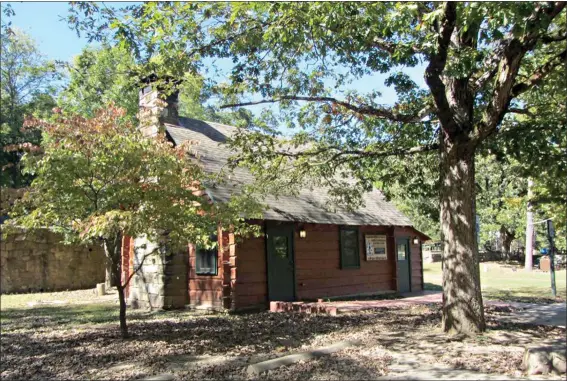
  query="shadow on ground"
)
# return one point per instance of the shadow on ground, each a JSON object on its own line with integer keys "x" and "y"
{"x": 69, "y": 342}
{"x": 432, "y": 287}
{"x": 74, "y": 341}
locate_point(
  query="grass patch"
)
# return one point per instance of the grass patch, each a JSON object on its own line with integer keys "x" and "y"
{"x": 68, "y": 309}
{"x": 507, "y": 282}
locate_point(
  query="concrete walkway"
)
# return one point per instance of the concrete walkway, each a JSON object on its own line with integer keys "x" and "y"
{"x": 554, "y": 314}
{"x": 409, "y": 367}
{"x": 424, "y": 297}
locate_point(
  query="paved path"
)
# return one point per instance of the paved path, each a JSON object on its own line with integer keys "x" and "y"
{"x": 409, "y": 367}
{"x": 424, "y": 297}
{"x": 554, "y": 314}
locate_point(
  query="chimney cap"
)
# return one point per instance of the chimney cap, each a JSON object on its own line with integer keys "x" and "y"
{"x": 168, "y": 86}
{"x": 153, "y": 78}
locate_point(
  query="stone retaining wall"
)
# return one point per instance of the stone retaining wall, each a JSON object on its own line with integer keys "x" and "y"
{"x": 39, "y": 262}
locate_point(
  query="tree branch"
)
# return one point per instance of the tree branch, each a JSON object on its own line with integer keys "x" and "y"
{"x": 360, "y": 153}
{"x": 383, "y": 112}
{"x": 139, "y": 266}
{"x": 549, "y": 39}
{"x": 390, "y": 47}
{"x": 538, "y": 75}
{"x": 437, "y": 63}
{"x": 517, "y": 110}
{"x": 491, "y": 63}
{"x": 505, "y": 89}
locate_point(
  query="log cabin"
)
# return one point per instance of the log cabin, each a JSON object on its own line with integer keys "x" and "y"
{"x": 304, "y": 252}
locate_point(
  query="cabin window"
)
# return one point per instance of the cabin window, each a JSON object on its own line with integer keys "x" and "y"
{"x": 350, "y": 255}
{"x": 206, "y": 260}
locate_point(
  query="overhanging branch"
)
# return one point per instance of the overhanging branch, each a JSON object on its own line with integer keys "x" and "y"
{"x": 538, "y": 75}
{"x": 391, "y": 47}
{"x": 360, "y": 153}
{"x": 523, "y": 111}
{"x": 379, "y": 112}
{"x": 549, "y": 39}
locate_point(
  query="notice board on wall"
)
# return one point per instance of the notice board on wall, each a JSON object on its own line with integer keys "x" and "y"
{"x": 376, "y": 248}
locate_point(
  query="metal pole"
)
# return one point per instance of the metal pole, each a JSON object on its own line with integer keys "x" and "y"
{"x": 529, "y": 229}
{"x": 550, "y": 235}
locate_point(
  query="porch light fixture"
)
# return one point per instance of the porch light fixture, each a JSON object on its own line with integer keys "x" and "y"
{"x": 416, "y": 240}
{"x": 302, "y": 233}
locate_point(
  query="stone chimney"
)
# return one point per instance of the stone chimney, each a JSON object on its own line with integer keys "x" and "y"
{"x": 157, "y": 108}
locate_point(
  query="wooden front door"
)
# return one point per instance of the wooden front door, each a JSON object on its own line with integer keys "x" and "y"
{"x": 281, "y": 265}
{"x": 403, "y": 262}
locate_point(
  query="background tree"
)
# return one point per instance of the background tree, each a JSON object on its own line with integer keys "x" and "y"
{"x": 98, "y": 76}
{"x": 501, "y": 202}
{"x": 99, "y": 179}
{"x": 536, "y": 140}
{"x": 104, "y": 74}
{"x": 414, "y": 189}
{"x": 28, "y": 85}
{"x": 479, "y": 58}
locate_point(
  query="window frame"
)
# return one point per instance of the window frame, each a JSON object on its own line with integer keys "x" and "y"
{"x": 214, "y": 250}
{"x": 341, "y": 251}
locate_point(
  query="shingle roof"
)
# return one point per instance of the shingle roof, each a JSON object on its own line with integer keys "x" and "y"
{"x": 307, "y": 207}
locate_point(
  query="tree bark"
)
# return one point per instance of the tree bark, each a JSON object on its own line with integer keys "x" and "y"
{"x": 529, "y": 229}
{"x": 113, "y": 251}
{"x": 108, "y": 275}
{"x": 462, "y": 299}
{"x": 122, "y": 316}
{"x": 505, "y": 242}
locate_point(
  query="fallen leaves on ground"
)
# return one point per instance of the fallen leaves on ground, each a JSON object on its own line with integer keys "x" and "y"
{"x": 53, "y": 343}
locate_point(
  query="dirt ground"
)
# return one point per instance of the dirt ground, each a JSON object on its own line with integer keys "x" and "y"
{"x": 59, "y": 338}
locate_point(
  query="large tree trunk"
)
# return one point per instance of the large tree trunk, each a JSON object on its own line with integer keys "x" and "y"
{"x": 529, "y": 229}
{"x": 113, "y": 251}
{"x": 462, "y": 299}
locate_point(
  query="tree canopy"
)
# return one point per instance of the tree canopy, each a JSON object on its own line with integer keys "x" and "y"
{"x": 97, "y": 77}
{"x": 28, "y": 85}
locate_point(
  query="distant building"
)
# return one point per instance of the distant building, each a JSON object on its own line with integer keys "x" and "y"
{"x": 432, "y": 251}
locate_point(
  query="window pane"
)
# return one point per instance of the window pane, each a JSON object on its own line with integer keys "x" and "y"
{"x": 280, "y": 246}
{"x": 350, "y": 256}
{"x": 402, "y": 252}
{"x": 206, "y": 262}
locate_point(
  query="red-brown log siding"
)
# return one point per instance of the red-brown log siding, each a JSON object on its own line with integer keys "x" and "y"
{"x": 318, "y": 269}
{"x": 241, "y": 281}
{"x": 250, "y": 281}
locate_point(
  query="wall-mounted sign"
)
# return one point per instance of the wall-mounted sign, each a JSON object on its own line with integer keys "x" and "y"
{"x": 376, "y": 248}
